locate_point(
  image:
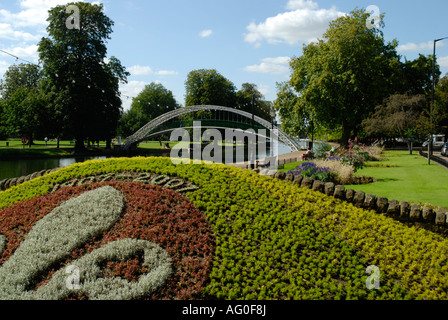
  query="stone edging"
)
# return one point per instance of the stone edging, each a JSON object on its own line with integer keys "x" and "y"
{"x": 410, "y": 214}
{"x": 9, "y": 183}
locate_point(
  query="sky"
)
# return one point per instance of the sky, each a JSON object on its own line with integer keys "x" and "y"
{"x": 244, "y": 40}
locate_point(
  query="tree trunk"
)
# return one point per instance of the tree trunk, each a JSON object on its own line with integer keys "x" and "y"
{"x": 346, "y": 131}
{"x": 108, "y": 144}
{"x": 410, "y": 146}
{"x": 30, "y": 141}
{"x": 79, "y": 145}
{"x": 58, "y": 143}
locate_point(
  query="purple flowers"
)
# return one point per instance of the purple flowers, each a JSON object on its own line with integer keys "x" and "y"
{"x": 311, "y": 170}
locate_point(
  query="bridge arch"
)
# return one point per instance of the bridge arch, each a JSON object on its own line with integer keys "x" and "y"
{"x": 143, "y": 132}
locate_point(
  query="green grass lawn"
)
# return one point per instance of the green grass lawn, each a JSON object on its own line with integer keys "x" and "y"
{"x": 412, "y": 180}
{"x": 408, "y": 178}
{"x": 291, "y": 166}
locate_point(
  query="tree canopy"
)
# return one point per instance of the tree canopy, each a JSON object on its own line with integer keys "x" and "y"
{"x": 153, "y": 101}
{"x": 75, "y": 62}
{"x": 23, "y": 103}
{"x": 342, "y": 77}
{"x": 209, "y": 87}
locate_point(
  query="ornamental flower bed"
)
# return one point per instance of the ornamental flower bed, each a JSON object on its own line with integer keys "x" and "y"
{"x": 233, "y": 234}
{"x": 146, "y": 212}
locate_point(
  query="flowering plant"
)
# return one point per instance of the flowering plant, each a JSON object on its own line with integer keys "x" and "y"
{"x": 352, "y": 155}
{"x": 311, "y": 170}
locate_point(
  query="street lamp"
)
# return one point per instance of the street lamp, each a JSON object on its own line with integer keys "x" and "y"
{"x": 433, "y": 98}
{"x": 273, "y": 115}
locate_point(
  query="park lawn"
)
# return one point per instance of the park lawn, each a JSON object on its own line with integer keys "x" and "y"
{"x": 291, "y": 166}
{"x": 155, "y": 144}
{"x": 413, "y": 180}
{"x": 39, "y": 148}
{"x": 408, "y": 178}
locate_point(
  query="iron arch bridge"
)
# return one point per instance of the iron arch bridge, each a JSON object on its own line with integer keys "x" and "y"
{"x": 148, "y": 129}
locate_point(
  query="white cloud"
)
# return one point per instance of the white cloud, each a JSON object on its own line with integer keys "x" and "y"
{"x": 140, "y": 70}
{"x": 33, "y": 12}
{"x": 424, "y": 46}
{"x": 206, "y": 33}
{"x": 301, "y": 4}
{"x": 4, "y": 66}
{"x": 146, "y": 70}
{"x": 443, "y": 62}
{"x": 264, "y": 89}
{"x": 305, "y": 23}
{"x": 166, "y": 73}
{"x": 276, "y": 66}
{"x": 7, "y": 32}
{"x": 28, "y": 52}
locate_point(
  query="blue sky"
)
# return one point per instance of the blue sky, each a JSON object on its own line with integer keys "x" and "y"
{"x": 244, "y": 40}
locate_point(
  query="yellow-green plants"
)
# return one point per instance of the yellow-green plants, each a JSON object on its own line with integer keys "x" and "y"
{"x": 275, "y": 240}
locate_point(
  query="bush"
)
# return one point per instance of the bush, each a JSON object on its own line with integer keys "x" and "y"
{"x": 341, "y": 173}
{"x": 321, "y": 149}
{"x": 352, "y": 156}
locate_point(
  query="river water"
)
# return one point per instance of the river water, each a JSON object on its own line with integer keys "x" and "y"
{"x": 24, "y": 167}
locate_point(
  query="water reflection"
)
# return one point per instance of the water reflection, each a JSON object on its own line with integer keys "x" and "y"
{"x": 18, "y": 168}
{"x": 24, "y": 167}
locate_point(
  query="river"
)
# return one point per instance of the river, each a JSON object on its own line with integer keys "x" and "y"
{"x": 24, "y": 167}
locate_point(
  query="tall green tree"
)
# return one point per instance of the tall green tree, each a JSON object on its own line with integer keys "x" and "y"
{"x": 342, "y": 77}
{"x": 293, "y": 116}
{"x": 397, "y": 116}
{"x": 23, "y": 102}
{"x": 416, "y": 76}
{"x": 153, "y": 101}
{"x": 249, "y": 93}
{"x": 74, "y": 61}
{"x": 209, "y": 87}
{"x": 441, "y": 105}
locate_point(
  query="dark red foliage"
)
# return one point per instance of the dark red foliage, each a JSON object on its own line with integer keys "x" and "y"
{"x": 151, "y": 213}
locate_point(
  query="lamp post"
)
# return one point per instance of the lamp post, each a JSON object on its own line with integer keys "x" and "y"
{"x": 430, "y": 149}
{"x": 273, "y": 115}
{"x": 253, "y": 111}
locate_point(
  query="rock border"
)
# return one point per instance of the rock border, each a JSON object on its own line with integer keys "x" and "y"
{"x": 410, "y": 214}
{"x": 12, "y": 182}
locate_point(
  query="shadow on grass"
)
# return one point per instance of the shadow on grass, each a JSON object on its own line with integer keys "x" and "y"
{"x": 387, "y": 180}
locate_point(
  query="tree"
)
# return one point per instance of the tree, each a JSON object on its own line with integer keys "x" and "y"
{"x": 74, "y": 61}
{"x": 153, "y": 101}
{"x": 244, "y": 96}
{"x": 23, "y": 107}
{"x": 342, "y": 77}
{"x": 416, "y": 76}
{"x": 208, "y": 87}
{"x": 396, "y": 117}
{"x": 441, "y": 104}
{"x": 294, "y": 118}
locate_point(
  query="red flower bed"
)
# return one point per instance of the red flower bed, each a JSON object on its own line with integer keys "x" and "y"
{"x": 151, "y": 213}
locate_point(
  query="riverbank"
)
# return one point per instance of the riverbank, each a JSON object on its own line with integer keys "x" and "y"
{"x": 54, "y": 153}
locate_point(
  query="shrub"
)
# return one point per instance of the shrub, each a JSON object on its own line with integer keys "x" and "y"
{"x": 352, "y": 156}
{"x": 271, "y": 239}
{"x": 341, "y": 173}
{"x": 321, "y": 149}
